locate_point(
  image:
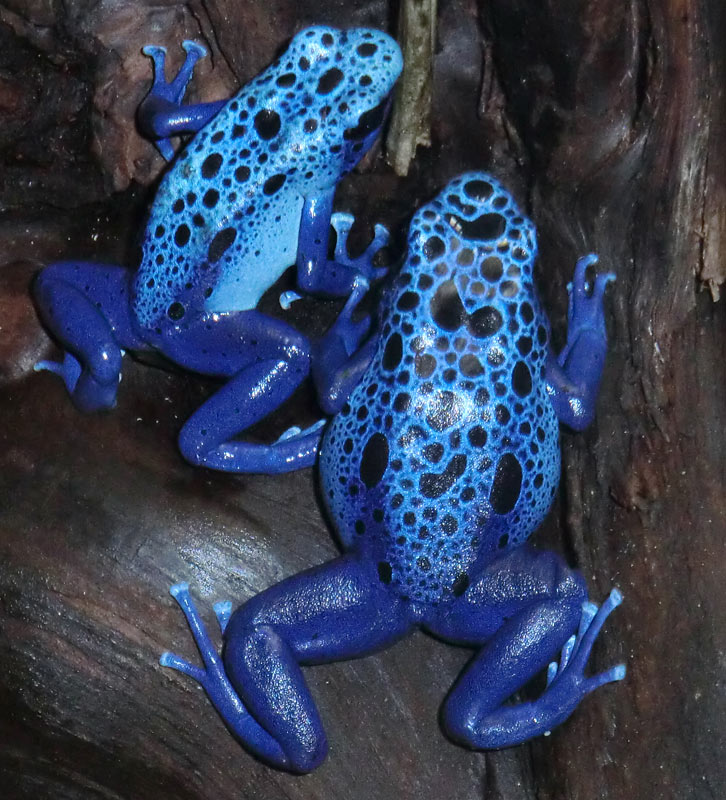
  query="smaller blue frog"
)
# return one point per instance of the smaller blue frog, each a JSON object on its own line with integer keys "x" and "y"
{"x": 250, "y": 195}
{"x": 442, "y": 460}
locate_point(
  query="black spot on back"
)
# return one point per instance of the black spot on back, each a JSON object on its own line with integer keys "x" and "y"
{"x": 506, "y": 485}
{"x": 444, "y": 411}
{"x": 393, "y": 352}
{"x": 267, "y": 124}
{"x": 273, "y": 184}
{"x": 329, "y": 80}
{"x": 447, "y": 310}
{"x": 367, "y": 49}
{"x": 491, "y": 268}
{"x": 374, "y": 460}
{"x": 434, "y": 248}
{"x": 221, "y": 242}
{"x": 211, "y": 165}
{"x": 434, "y": 484}
{"x": 485, "y": 321}
{"x": 425, "y": 365}
{"x": 478, "y": 190}
{"x": 461, "y": 584}
{"x": 521, "y": 379}
{"x": 483, "y": 228}
{"x": 176, "y": 311}
{"x": 181, "y": 235}
{"x": 384, "y": 572}
{"x": 242, "y": 173}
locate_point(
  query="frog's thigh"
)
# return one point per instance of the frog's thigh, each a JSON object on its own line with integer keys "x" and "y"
{"x": 224, "y": 344}
{"x": 519, "y": 580}
{"x": 334, "y": 611}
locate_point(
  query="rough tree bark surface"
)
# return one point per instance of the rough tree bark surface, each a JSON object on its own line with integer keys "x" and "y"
{"x": 607, "y": 120}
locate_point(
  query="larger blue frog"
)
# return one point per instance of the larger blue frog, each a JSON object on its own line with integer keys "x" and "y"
{"x": 251, "y": 194}
{"x": 436, "y": 470}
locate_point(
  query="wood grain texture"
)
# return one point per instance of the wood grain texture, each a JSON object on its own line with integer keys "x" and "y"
{"x": 607, "y": 120}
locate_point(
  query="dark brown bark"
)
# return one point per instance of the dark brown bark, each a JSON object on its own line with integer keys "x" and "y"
{"x": 607, "y": 120}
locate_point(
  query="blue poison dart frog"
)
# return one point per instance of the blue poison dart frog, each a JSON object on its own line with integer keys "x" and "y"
{"x": 442, "y": 459}
{"x": 250, "y": 195}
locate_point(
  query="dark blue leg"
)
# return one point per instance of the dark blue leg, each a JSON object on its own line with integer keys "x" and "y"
{"x": 86, "y": 307}
{"x": 316, "y": 274}
{"x": 574, "y": 376}
{"x": 265, "y": 361}
{"x": 338, "y": 361}
{"x": 161, "y": 114}
{"x": 332, "y": 612}
{"x": 526, "y": 607}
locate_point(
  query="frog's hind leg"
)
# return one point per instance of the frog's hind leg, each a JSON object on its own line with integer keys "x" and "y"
{"x": 86, "y": 307}
{"x": 523, "y": 610}
{"x": 339, "y": 610}
{"x": 265, "y": 360}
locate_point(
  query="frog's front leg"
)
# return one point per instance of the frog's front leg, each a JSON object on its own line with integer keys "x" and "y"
{"x": 161, "y": 113}
{"x": 524, "y": 609}
{"x": 264, "y": 360}
{"x": 336, "y": 611}
{"x": 85, "y": 306}
{"x": 316, "y": 273}
{"x": 573, "y": 378}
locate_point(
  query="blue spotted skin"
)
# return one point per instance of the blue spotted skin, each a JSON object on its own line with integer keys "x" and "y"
{"x": 441, "y": 462}
{"x": 250, "y": 195}
{"x": 225, "y": 222}
{"x": 447, "y": 452}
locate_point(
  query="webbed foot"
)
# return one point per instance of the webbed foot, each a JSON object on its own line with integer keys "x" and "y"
{"x": 166, "y": 96}
{"x": 213, "y": 679}
{"x": 88, "y": 393}
{"x": 585, "y": 307}
{"x": 296, "y": 432}
{"x": 69, "y": 370}
{"x": 342, "y": 224}
{"x": 567, "y": 678}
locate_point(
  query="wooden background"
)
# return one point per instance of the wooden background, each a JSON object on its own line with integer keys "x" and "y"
{"x": 606, "y": 118}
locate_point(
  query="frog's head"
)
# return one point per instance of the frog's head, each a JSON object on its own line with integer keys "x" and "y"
{"x": 345, "y": 77}
{"x": 472, "y": 251}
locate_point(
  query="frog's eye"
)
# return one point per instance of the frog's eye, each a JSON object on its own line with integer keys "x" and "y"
{"x": 368, "y": 122}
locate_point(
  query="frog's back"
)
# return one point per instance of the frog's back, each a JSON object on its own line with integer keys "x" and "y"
{"x": 225, "y": 222}
{"x": 447, "y": 453}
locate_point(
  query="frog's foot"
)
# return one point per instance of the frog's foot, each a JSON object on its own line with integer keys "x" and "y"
{"x": 295, "y": 432}
{"x": 173, "y": 90}
{"x": 342, "y": 223}
{"x": 213, "y": 679}
{"x": 585, "y": 310}
{"x": 345, "y": 335}
{"x": 223, "y": 611}
{"x": 567, "y": 683}
{"x": 88, "y": 393}
{"x": 69, "y": 370}
{"x": 165, "y": 97}
{"x": 286, "y": 299}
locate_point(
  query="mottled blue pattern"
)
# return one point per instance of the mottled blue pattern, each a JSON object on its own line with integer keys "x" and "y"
{"x": 447, "y": 452}
{"x": 225, "y": 221}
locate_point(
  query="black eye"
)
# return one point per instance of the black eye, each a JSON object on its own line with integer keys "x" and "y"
{"x": 368, "y": 122}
